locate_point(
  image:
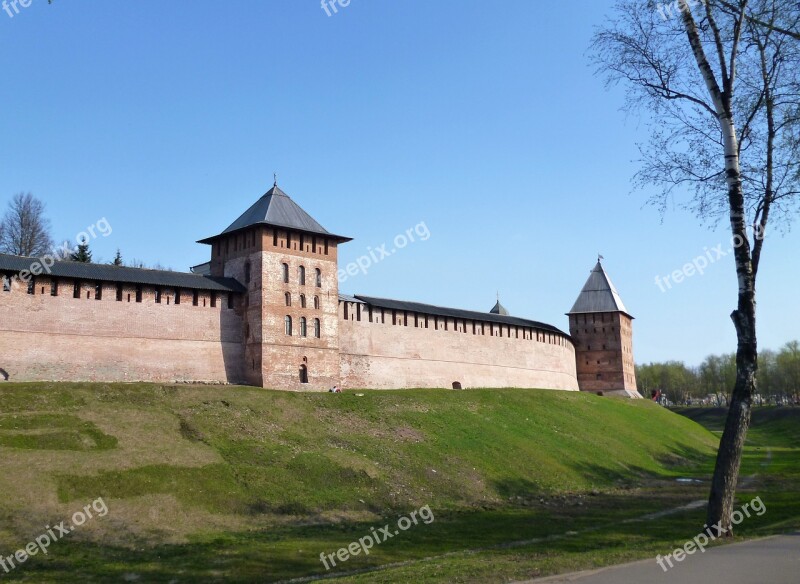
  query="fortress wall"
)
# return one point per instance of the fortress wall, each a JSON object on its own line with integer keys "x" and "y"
{"x": 405, "y": 354}
{"x": 67, "y": 339}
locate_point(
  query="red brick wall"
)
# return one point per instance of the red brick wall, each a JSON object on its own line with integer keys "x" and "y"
{"x": 405, "y": 354}
{"x": 604, "y": 345}
{"x": 67, "y": 339}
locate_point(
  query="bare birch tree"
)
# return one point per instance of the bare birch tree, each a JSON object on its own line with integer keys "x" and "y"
{"x": 720, "y": 82}
{"x": 25, "y": 231}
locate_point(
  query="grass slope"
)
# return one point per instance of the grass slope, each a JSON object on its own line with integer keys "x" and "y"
{"x": 242, "y": 484}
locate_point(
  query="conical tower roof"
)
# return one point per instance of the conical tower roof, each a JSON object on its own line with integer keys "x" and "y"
{"x": 499, "y": 309}
{"x": 277, "y": 209}
{"x": 598, "y": 295}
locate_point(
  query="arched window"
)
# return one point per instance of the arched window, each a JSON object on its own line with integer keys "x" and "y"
{"x": 301, "y": 273}
{"x": 316, "y": 302}
{"x": 302, "y": 301}
{"x": 303, "y": 328}
{"x": 288, "y": 298}
{"x": 316, "y": 328}
{"x": 285, "y": 273}
{"x": 247, "y": 273}
{"x": 288, "y": 322}
{"x": 319, "y": 278}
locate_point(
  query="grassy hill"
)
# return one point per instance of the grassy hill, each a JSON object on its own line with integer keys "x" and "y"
{"x": 244, "y": 484}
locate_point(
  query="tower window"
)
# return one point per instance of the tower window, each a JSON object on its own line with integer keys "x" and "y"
{"x": 138, "y": 293}
{"x": 158, "y": 295}
{"x": 32, "y": 286}
{"x": 316, "y": 302}
{"x": 53, "y": 287}
{"x": 319, "y": 278}
{"x": 213, "y": 300}
{"x": 287, "y": 322}
{"x": 195, "y": 298}
{"x": 285, "y": 273}
{"x": 288, "y": 299}
{"x": 98, "y": 291}
{"x": 303, "y": 327}
{"x": 301, "y": 273}
{"x": 247, "y": 273}
{"x": 177, "y": 296}
{"x": 302, "y": 301}
{"x": 76, "y": 289}
{"x": 316, "y": 328}
{"x": 119, "y": 292}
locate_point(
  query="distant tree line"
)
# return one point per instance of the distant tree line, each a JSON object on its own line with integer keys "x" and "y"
{"x": 712, "y": 381}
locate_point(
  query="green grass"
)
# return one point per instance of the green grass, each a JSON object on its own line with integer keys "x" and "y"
{"x": 246, "y": 485}
{"x": 52, "y": 432}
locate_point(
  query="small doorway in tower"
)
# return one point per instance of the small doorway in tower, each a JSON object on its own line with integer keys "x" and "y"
{"x": 457, "y": 385}
{"x": 303, "y": 374}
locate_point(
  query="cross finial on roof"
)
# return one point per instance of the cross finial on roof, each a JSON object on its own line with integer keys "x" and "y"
{"x": 600, "y": 258}
{"x": 275, "y": 175}
{"x": 498, "y": 295}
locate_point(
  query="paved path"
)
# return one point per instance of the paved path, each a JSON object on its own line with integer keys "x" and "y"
{"x": 774, "y": 560}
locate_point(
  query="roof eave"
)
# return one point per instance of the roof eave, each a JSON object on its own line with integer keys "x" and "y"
{"x": 463, "y": 314}
{"x": 600, "y": 312}
{"x": 332, "y": 236}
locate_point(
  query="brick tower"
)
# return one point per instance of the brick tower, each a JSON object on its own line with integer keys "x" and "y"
{"x": 602, "y": 332}
{"x": 288, "y": 263}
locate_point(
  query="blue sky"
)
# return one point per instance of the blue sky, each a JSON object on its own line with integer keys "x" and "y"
{"x": 482, "y": 120}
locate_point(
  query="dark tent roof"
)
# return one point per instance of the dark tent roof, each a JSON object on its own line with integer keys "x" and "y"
{"x": 277, "y": 209}
{"x": 109, "y": 273}
{"x": 598, "y": 295}
{"x": 499, "y": 309}
{"x": 451, "y": 312}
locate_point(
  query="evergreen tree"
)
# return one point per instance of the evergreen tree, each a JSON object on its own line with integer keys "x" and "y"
{"x": 117, "y": 259}
{"x": 83, "y": 254}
